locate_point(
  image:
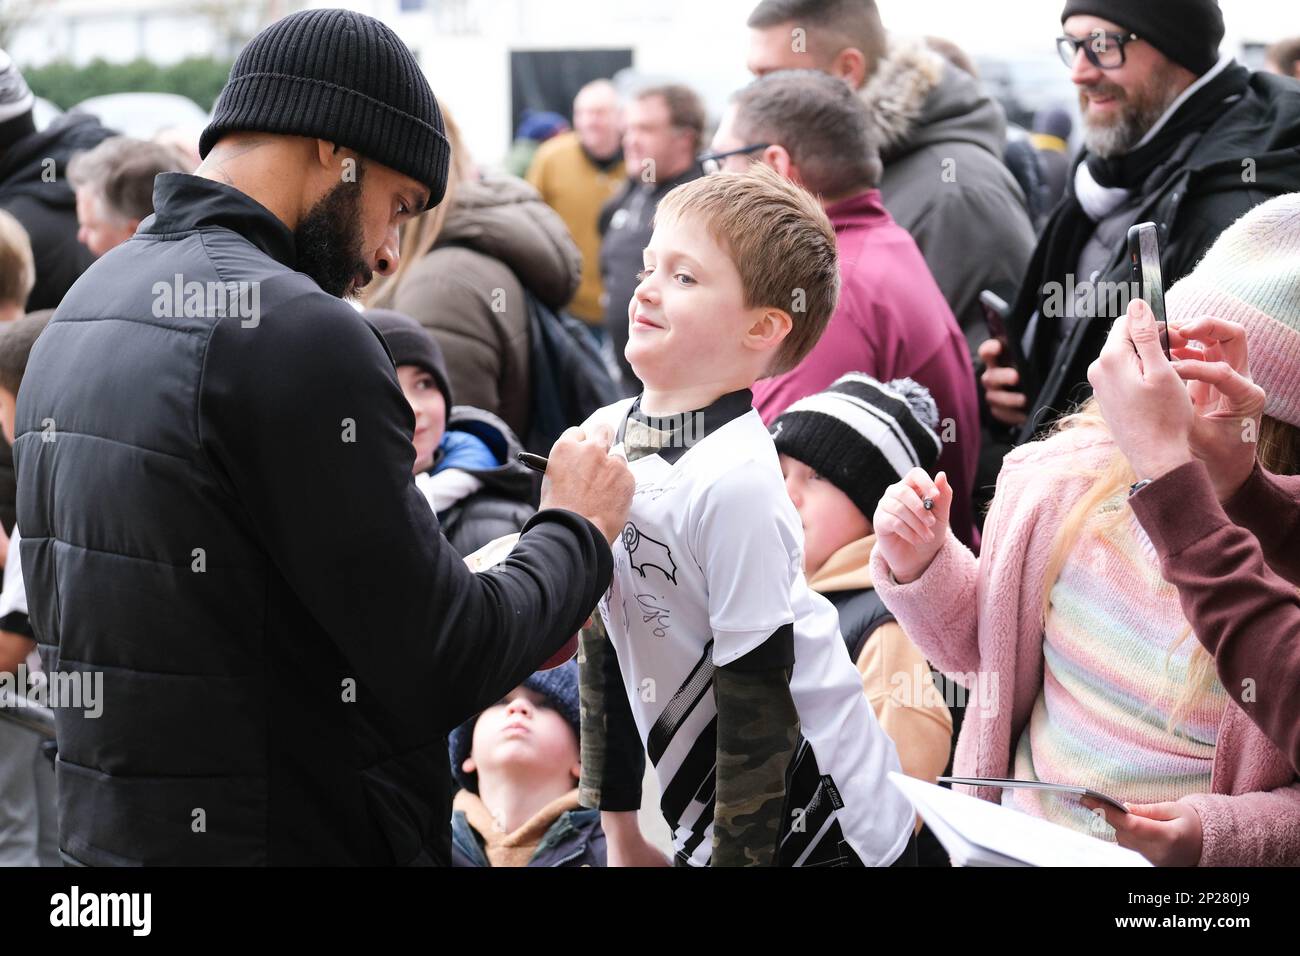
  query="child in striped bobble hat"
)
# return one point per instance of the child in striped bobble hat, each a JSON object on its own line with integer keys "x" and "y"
{"x": 840, "y": 449}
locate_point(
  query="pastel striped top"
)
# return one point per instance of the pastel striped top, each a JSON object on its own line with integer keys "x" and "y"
{"x": 1110, "y": 685}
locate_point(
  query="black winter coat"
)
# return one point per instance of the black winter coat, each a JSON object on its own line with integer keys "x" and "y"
{"x": 218, "y": 514}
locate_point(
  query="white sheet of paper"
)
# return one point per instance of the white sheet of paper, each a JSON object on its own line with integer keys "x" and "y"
{"x": 980, "y": 833}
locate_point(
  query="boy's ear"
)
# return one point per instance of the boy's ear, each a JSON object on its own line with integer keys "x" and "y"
{"x": 468, "y": 766}
{"x": 576, "y": 770}
{"x": 769, "y": 330}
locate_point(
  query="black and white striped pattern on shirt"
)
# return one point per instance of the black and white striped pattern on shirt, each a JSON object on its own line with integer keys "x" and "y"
{"x": 687, "y": 801}
{"x": 812, "y": 836}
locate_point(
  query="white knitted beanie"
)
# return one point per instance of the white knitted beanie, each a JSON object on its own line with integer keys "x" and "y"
{"x": 1251, "y": 276}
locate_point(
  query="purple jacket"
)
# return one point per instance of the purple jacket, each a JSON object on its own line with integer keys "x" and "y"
{"x": 892, "y": 322}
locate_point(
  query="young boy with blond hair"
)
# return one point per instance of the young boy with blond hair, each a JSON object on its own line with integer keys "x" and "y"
{"x": 765, "y": 749}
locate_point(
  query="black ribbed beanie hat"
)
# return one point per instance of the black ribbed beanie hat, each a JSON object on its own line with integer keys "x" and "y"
{"x": 339, "y": 76}
{"x": 1187, "y": 31}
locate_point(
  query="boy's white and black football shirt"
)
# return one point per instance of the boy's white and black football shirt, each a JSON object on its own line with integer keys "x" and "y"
{"x": 708, "y": 567}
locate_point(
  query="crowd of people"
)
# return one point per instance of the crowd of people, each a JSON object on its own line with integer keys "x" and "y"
{"x": 823, "y": 509}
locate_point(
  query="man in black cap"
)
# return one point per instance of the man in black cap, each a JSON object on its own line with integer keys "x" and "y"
{"x": 1176, "y": 134}
{"x": 217, "y": 503}
{"x": 34, "y": 186}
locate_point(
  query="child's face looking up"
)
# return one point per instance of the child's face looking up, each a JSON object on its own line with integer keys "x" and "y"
{"x": 421, "y": 390}
{"x": 830, "y": 518}
{"x": 688, "y": 323}
{"x": 523, "y": 734}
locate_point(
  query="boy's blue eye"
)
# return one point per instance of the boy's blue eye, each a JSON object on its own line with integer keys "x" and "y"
{"x": 641, "y": 276}
{"x": 683, "y": 275}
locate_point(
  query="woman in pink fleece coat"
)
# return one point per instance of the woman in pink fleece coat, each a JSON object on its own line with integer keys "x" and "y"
{"x": 982, "y": 618}
{"x": 1063, "y": 626}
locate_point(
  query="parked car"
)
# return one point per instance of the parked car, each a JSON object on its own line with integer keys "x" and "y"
{"x": 144, "y": 115}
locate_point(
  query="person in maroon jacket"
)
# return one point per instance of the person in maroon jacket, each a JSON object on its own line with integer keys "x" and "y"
{"x": 1223, "y": 527}
{"x": 891, "y": 320}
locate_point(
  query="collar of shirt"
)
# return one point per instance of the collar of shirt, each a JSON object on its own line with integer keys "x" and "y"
{"x": 670, "y": 436}
{"x": 183, "y": 203}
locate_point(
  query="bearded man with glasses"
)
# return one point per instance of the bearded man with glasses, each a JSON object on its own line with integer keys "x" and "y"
{"x": 1174, "y": 133}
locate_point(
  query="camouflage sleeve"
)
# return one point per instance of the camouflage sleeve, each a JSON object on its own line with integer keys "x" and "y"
{"x": 613, "y": 757}
{"x": 758, "y": 731}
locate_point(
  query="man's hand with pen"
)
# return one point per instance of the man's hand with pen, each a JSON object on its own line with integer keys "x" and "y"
{"x": 583, "y": 477}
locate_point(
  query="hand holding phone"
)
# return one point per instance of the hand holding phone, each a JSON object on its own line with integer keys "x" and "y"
{"x": 1007, "y": 399}
{"x": 996, "y": 311}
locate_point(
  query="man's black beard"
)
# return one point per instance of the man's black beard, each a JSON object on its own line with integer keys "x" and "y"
{"x": 329, "y": 241}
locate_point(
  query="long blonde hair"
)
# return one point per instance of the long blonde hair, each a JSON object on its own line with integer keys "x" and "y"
{"x": 1278, "y": 450}
{"x": 419, "y": 235}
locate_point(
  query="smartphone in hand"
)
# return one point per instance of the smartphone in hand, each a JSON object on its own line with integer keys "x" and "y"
{"x": 996, "y": 313}
{"x": 1144, "y": 266}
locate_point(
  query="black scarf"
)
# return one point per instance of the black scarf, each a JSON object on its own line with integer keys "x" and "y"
{"x": 1198, "y": 114}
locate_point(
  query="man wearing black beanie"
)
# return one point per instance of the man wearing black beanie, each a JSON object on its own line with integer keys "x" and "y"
{"x": 34, "y": 186}
{"x": 218, "y": 510}
{"x": 1175, "y": 133}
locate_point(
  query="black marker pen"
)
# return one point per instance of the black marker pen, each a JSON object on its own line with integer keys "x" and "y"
{"x": 536, "y": 462}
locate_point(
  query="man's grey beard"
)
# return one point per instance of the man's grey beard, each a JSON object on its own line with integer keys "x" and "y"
{"x": 1135, "y": 119}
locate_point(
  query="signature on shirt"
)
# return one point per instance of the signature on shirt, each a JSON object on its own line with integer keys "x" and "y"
{"x": 654, "y": 615}
{"x": 652, "y": 492}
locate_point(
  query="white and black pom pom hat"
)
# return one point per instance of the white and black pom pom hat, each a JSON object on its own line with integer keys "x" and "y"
{"x": 862, "y": 435}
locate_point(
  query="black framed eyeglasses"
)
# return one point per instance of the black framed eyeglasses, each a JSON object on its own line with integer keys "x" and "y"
{"x": 1104, "y": 50}
{"x": 712, "y": 162}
